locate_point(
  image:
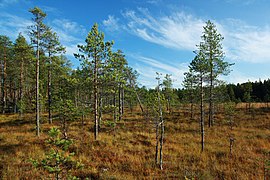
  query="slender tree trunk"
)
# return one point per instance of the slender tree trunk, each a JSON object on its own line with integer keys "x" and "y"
{"x": 96, "y": 97}
{"x": 123, "y": 98}
{"x": 120, "y": 102}
{"x": 138, "y": 98}
{"x": 114, "y": 110}
{"x": 191, "y": 102}
{"x": 15, "y": 99}
{"x": 157, "y": 139}
{"x": 100, "y": 112}
{"x": 50, "y": 90}
{"x": 37, "y": 87}
{"x": 21, "y": 86}
{"x": 169, "y": 105}
{"x": 161, "y": 143}
{"x": 161, "y": 121}
{"x": 202, "y": 115}
{"x": 210, "y": 118}
{"x": 130, "y": 106}
{"x": 4, "y": 90}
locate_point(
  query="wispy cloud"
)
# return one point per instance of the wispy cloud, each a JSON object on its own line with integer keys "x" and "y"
{"x": 111, "y": 23}
{"x": 70, "y": 33}
{"x": 247, "y": 43}
{"x": 148, "y": 67}
{"x": 178, "y": 30}
{"x": 182, "y": 31}
{"x": 246, "y": 2}
{"x": 153, "y": 1}
{"x": 69, "y": 26}
{"x": 4, "y": 3}
{"x": 12, "y": 25}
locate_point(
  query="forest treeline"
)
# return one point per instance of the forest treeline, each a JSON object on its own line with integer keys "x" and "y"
{"x": 258, "y": 91}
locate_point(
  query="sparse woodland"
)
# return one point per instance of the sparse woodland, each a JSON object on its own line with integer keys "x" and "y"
{"x": 96, "y": 122}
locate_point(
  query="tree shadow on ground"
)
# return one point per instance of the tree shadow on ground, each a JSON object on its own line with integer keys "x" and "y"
{"x": 16, "y": 122}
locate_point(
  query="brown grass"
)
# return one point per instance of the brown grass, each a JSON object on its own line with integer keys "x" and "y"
{"x": 128, "y": 152}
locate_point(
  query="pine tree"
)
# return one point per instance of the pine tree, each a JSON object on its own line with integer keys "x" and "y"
{"x": 211, "y": 48}
{"x": 23, "y": 57}
{"x": 168, "y": 90}
{"x": 132, "y": 80}
{"x": 189, "y": 84}
{"x": 36, "y": 33}
{"x": 199, "y": 66}
{"x": 5, "y": 49}
{"x": 94, "y": 54}
{"x": 160, "y": 124}
{"x": 52, "y": 47}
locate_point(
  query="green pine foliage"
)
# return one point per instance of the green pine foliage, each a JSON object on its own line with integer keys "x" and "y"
{"x": 58, "y": 161}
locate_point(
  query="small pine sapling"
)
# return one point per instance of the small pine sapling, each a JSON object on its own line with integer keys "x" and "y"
{"x": 58, "y": 161}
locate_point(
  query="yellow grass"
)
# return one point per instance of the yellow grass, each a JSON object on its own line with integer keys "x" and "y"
{"x": 128, "y": 152}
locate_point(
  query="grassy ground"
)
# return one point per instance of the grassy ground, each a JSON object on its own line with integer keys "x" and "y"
{"x": 128, "y": 152}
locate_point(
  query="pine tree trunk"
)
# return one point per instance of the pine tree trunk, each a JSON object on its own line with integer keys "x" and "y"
{"x": 100, "y": 112}
{"x": 114, "y": 109}
{"x": 138, "y": 98}
{"x": 114, "y": 112}
{"x": 123, "y": 98}
{"x": 4, "y": 90}
{"x": 49, "y": 91}
{"x": 161, "y": 122}
{"x": 21, "y": 86}
{"x": 169, "y": 105}
{"x": 157, "y": 139}
{"x": 96, "y": 98}
{"x": 202, "y": 115}
{"x": 37, "y": 87}
{"x": 119, "y": 103}
{"x": 15, "y": 99}
{"x": 161, "y": 143}
{"x": 210, "y": 118}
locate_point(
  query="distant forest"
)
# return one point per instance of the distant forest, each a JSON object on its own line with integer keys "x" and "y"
{"x": 258, "y": 91}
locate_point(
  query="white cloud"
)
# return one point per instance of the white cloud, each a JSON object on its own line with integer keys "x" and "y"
{"x": 148, "y": 67}
{"x": 153, "y": 1}
{"x": 182, "y": 31}
{"x": 70, "y": 33}
{"x": 178, "y": 31}
{"x": 111, "y": 23}
{"x": 69, "y": 26}
{"x": 4, "y": 3}
{"x": 11, "y": 25}
{"x": 246, "y": 2}
{"x": 244, "y": 42}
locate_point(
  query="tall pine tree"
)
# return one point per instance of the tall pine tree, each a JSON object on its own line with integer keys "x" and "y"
{"x": 211, "y": 48}
{"x": 94, "y": 54}
{"x": 36, "y": 33}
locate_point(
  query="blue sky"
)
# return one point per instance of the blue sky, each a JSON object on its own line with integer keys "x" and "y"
{"x": 156, "y": 35}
